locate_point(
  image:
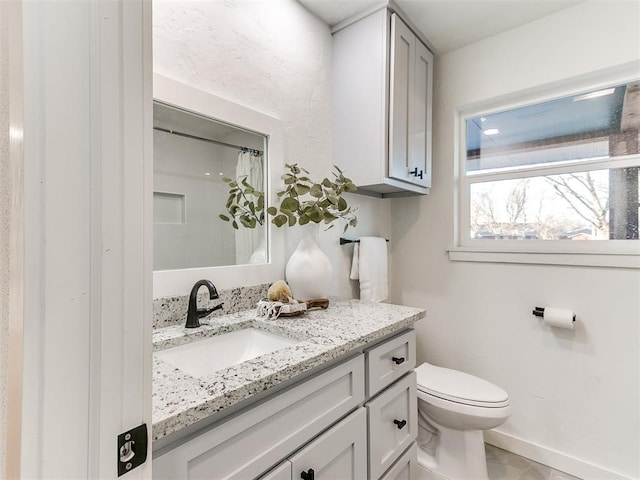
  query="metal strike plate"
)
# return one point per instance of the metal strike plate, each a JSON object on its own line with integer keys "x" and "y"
{"x": 132, "y": 449}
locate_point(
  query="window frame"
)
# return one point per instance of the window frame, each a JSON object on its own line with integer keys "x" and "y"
{"x": 604, "y": 253}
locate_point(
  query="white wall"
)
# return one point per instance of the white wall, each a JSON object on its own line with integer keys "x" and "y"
{"x": 575, "y": 394}
{"x": 274, "y": 57}
{"x": 4, "y": 231}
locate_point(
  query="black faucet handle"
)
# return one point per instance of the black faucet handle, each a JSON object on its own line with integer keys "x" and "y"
{"x": 203, "y": 312}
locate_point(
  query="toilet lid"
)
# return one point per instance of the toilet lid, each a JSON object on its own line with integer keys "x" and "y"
{"x": 459, "y": 387}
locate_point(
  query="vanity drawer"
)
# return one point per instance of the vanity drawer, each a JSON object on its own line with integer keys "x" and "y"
{"x": 389, "y": 361}
{"x": 405, "y": 467}
{"x": 251, "y": 443}
{"x": 393, "y": 424}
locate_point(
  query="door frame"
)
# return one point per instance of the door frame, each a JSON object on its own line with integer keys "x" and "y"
{"x": 87, "y": 93}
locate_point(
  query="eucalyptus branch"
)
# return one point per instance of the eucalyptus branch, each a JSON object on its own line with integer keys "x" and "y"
{"x": 241, "y": 208}
{"x": 304, "y": 201}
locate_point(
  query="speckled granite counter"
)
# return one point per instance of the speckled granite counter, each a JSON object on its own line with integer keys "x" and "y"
{"x": 180, "y": 400}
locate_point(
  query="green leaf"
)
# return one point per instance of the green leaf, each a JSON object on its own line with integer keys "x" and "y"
{"x": 224, "y": 217}
{"x": 280, "y": 220}
{"x": 289, "y": 204}
{"x": 316, "y": 215}
{"x": 329, "y": 217}
{"x": 316, "y": 191}
{"x": 260, "y": 203}
{"x": 272, "y": 211}
{"x": 327, "y": 183}
{"x": 301, "y": 189}
{"x": 292, "y": 220}
{"x": 303, "y": 220}
{"x": 235, "y": 225}
{"x": 342, "y": 204}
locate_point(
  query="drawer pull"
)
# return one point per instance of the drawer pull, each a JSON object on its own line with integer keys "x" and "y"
{"x": 397, "y": 360}
{"x": 400, "y": 423}
{"x": 308, "y": 475}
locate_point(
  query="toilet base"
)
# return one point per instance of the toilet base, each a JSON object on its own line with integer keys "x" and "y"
{"x": 460, "y": 455}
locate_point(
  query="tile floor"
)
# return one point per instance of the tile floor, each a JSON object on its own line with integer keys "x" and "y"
{"x": 503, "y": 465}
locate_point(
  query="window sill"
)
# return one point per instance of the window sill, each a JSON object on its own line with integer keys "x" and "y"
{"x": 605, "y": 260}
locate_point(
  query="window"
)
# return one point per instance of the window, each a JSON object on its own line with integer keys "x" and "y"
{"x": 547, "y": 174}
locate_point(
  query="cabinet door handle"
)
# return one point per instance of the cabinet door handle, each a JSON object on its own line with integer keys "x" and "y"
{"x": 398, "y": 360}
{"x": 415, "y": 173}
{"x": 400, "y": 423}
{"x": 308, "y": 475}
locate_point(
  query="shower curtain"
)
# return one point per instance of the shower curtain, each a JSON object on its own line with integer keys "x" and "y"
{"x": 250, "y": 242}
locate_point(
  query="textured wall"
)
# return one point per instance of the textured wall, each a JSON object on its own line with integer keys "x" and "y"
{"x": 479, "y": 314}
{"x": 274, "y": 57}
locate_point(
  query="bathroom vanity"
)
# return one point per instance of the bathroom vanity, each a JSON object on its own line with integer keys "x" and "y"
{"x": 340, "y": 402}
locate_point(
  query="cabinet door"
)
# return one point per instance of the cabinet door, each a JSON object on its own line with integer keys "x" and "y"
{"x": 339, "y": 453}
{"x": 420, "y": 127}
{"x": 393, "y": 424}
{"x": 410, "y": 106}
{"x": 400, "y": 93}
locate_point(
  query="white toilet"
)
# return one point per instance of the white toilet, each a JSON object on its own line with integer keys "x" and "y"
{"x": 453, "y": 410}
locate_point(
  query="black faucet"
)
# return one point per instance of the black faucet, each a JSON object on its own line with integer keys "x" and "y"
{"x": 194, "y": 314}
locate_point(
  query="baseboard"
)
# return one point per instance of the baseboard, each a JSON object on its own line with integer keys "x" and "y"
{"x": 552, "y": 458}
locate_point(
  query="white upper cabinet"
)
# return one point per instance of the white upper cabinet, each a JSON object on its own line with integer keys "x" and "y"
{"x": 382, "y": 100}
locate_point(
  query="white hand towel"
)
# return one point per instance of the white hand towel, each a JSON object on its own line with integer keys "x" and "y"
{"x": 355, "y": 263}
{"x": 372, "y": 266}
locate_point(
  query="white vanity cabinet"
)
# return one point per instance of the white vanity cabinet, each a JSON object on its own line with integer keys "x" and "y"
{"x": 382, "y": 103}
{"x": 323, "y": 427}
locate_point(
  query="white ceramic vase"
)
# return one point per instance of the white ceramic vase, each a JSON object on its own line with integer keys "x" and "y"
{"x": 309, "y": 271}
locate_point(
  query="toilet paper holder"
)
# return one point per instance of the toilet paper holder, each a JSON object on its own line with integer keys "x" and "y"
{"x": 539, "y": 312}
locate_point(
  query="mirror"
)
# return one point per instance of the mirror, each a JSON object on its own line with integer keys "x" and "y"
{"x": 192, "y": 154}
{"x": 222, "y": 256}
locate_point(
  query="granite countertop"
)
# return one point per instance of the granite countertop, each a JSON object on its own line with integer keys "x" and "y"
{"x": 180, "y": 400}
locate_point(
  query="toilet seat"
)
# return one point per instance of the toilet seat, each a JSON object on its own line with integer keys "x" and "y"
{"x": 459, "y": 387}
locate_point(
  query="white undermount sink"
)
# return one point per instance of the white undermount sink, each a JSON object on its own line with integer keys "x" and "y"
{"x": 203, "y": 357}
